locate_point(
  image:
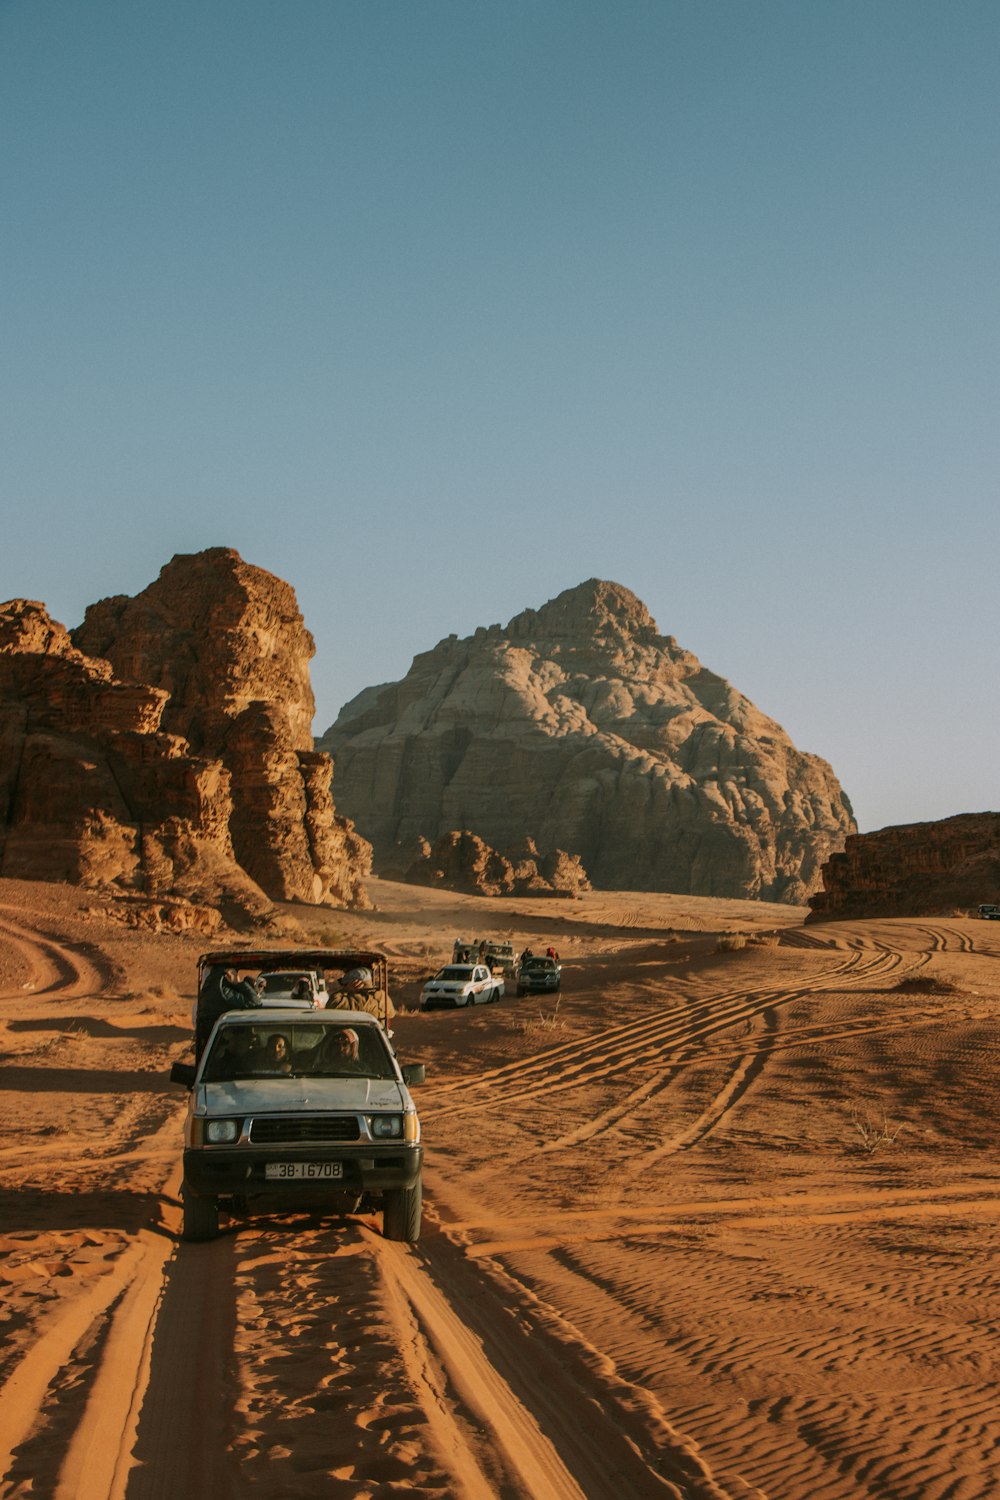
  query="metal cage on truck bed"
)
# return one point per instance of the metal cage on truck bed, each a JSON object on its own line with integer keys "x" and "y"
{"x": 325, "y": 961}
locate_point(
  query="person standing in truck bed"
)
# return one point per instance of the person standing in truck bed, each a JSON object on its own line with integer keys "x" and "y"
{"x": 221, "y": 991}
{"x": 356, "y": 991}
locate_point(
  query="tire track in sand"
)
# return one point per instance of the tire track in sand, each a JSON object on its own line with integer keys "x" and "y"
{"x": 651, "y": 1041}
{"x": 68, "y": 970}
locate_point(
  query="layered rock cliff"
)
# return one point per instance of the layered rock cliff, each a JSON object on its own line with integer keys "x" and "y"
{"x": 581, "y": 727}
{"x": 92, "y": 790}
{"x": 913, "y": 869}
{"x": 164, "y": 747}
{"x": 226, "y": 644}
{"x": 461, "y": 861}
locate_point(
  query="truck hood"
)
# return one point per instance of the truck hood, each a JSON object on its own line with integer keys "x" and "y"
{"x": 257, "y": 1096}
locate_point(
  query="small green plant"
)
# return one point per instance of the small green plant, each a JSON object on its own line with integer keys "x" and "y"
{"x": 872, "y": 1129}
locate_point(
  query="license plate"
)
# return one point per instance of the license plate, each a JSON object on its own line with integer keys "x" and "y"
{"x": 288, "y": 1171}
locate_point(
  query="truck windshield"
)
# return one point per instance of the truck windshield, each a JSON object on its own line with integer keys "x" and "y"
{"x": 310, "y": 1050}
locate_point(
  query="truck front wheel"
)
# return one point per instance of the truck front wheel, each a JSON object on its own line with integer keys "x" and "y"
{"x": 401, "y": 1211}
{"x": 201, "y": 1216}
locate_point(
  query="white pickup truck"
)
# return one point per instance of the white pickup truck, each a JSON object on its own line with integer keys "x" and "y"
{"x": 300, "y": 1109}
{"x": 461, "y": 984}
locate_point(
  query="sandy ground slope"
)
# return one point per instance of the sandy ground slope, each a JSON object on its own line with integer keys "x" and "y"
{"x": 717, "y": 1224}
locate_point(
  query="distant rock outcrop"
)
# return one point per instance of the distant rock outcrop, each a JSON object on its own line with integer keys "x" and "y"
{"x": 227, "y": 643}
{"x": 461, "y": 861}
{"x": 913, "y": 869}
{"x": 92, "y": 791}
{"x": 165, "y": 746}
{"x": 581, "y": 727}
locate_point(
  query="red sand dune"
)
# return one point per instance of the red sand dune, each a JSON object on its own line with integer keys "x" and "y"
{"x": 722, "y": 1223}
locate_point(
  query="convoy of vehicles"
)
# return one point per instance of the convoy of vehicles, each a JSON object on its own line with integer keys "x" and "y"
{"x": 297, "y": 1104}
{"x": 461, "y": 984}
{"x": 499, "y": 957}
{"x": 539, "y": 976}
{"x": 297, "y": 1098}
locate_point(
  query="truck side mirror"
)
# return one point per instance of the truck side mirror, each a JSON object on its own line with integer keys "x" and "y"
{"x": 412, "y": 1073}
{"x": 183, "y": 1073}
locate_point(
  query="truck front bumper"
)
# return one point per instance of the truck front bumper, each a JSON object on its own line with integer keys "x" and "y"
{"x": 220, "y": 1171}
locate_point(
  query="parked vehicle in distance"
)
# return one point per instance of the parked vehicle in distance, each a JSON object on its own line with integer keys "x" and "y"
{"x": 990, "y": 911}
{"x": 300, "y": 1109}
{"x": 539, "y": 976}
{"x": 303, "y": 986}
{"x": 499, "y": 957}
{"x": 461, "y": 984}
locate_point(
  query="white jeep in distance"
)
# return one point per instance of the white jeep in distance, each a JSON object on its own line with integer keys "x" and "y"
{"x": 293, "y": 1109}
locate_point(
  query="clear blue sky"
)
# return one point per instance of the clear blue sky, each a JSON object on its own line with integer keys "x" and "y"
{"x": 438, "y": 307}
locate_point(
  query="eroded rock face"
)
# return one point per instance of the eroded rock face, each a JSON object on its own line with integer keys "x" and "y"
{"x": 913, "y": 869}
{"x": 581, "y": 727}
{"x": 461, "y": 861}
{"x": 92, "y": 790}
{"x": 226, "y": 644}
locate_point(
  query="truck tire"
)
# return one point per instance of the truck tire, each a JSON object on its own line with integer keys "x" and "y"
{"x": 201, "y": 1217}
{"x": 401, "y": 1211}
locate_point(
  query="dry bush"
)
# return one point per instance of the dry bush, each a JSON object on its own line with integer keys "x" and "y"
{"x": 729, "y": 942}
{"x": 924, "y": 984}
{"x": 543, "y": 1021}
{"x": 872, "y": 1129}
{"x": 166, "y": 992}
{"x": 763, "y": 940}
{"x": 328, "y": 937}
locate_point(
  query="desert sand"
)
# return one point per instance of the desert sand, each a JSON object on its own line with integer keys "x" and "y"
{"x": 722, "y": 1222}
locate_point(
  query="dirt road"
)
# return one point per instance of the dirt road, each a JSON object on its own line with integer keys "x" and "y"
{"x": 721, "y": 1224}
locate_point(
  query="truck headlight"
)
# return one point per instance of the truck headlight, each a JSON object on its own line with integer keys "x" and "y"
{"x": 386, "y": 1127}
{"x": 219, "y": 1131}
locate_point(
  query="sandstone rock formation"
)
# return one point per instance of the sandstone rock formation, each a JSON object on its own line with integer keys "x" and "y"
{"x": 164, "y": 748}
{"x": 92, "y": 791}
{"x": 227, "y": 645}
{"x": 581, "y": 727}
{"x": 461, "y": 861}
{"x": 913, "y": 869}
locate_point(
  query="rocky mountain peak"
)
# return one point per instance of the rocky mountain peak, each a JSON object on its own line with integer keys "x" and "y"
{"x": 581, "y": 727}
{"x": 593, "y": 609}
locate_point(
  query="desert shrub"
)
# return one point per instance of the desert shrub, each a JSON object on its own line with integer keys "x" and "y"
{"x": 543, "y": 1021}
{"x": 924, "y": 984}
{"x": 164, "y": 992}
{"x": 328, "y": 937}
{"x": 729, "y": 942}
{"x": 870, "y": 1129}
{"x": 763, "y": 940}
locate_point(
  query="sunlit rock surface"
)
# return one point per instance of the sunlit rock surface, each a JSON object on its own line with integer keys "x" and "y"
{"x": 581, "y": 727}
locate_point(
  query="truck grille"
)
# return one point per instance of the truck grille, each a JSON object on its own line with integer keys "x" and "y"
{"x": 268, "y": 1131}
